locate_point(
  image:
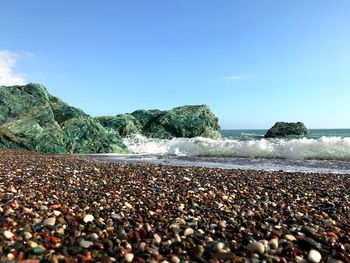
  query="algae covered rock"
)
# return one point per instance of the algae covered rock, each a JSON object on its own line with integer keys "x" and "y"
{"x": 186, "y": 121}
{"x": 124, "y": 124}
{"x": 147, "y": 116}
{"x": 287, "y": 129}
{"x": 32, "y": 119}
{"x": 85, "y": 135}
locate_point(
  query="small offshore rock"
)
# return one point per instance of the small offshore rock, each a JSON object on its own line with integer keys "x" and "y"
{"x": 88, "y": 218}
{"x": 314, "y": 256}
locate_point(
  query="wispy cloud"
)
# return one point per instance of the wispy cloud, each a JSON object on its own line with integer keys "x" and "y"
{"x": 237, "y": 77}
{"x": 8, "y": 77}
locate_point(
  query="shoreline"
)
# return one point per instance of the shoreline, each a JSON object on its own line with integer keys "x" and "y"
{"x": 68, "y": 209}
{"x": 231, "y": 163}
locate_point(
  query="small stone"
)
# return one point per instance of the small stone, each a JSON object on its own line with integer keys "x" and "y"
{"x": 314, "y": 256}
{"x": 129, "y": 257}
{"x": 189, "y": 231}
{"x": 49, "y": 221}
{"x": 157, "y": 238}
{"x": 256, "y": 247}
{"x": 299, "y": 259}
{"x": 187, "y": 179}
{"x": 94, "y": 236}
{"x": 222, "y": 224}
{"x": 128, "y": 205}
{"x": 38, "y": 250}
{"x": 27, "y": 235}
{"x": 273, "y": 243}
{"x": 10, "y": 256}
{"x": 175, "y": 259}
{"x": 219, "y": 247}
{"x": 142, "y": 246}
{"x": 290, "y": 237}
{"x": 199, "y": 250}
{"x": 57, "y": 213}
{"x": 85, "y": 244}
{"x": 32, "y": 244}
{"x": 88, "y": 218}
{"x": 8, "y": 234}
{"x": 329, "y": 222}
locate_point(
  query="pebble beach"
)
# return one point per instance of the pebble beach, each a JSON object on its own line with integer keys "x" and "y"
{"x": 58, "y": 208}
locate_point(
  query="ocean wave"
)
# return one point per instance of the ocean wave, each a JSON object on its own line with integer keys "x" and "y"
{"x": 324, "y": 148}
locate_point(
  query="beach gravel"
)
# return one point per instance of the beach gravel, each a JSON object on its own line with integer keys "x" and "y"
{"x": 57, "y": 208}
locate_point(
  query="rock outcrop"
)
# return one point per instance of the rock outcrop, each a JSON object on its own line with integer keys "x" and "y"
{"x": 286, "y": 129}
{"x": 124, "y": 124}
{"x": 185, "y": 121}
{"x": 32, "y": 119}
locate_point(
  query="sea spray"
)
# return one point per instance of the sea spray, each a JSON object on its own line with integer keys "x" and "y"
{"x": 323, "y": 148}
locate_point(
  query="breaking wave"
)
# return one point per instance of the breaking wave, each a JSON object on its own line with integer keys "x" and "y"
{"x": 323, "y": 148}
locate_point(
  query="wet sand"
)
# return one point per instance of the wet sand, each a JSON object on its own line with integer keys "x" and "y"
{"x": 68, "y": 209}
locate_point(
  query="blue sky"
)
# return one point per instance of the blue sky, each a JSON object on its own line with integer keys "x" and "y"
{"x": 253, "y": 62}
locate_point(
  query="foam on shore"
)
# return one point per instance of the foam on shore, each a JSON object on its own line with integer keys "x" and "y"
{"x": 323, "y": 148}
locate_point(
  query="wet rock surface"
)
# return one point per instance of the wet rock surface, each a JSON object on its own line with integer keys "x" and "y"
{"x": 286, "y": 129}
{"x": 65, "y": 209}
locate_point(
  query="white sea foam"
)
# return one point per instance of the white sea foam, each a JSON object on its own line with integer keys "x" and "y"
{"x": 327, "y": 148}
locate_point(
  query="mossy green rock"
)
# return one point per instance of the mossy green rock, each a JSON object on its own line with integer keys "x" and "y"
{"x": 124, "y": 124}
{"x": 32, "y": 119}
{"x": 186, "y": 121}
{"x": 287, "y": 129}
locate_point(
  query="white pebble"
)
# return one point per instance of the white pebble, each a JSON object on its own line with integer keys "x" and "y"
{"x": 257, "y": 247}
{"x": 187, "y": 179}
{"x": 27, "y": 235}
{"x": 314, "y": 256}
{"x": 32, "y": 244}
{"x": 142, "y": 246}
{"x": 128, "y": 205}
{"x": 157, "y": 238}
{"x": 88, "y": 218}
{"x": 189, "y": 231}
{"x": 8, "y": 234}
{"x": 175, "y": 259}
{"x": 129, "y": 257}
{"x": 219, "y": 246}
{"x": 49, "y": 221}
{"x": 290, "y": 237}
{"x": 273, "y": 243}
{"x": 85, "y": 244}
{"x": 57, "y": 213}
{"x": 94, "y": 236}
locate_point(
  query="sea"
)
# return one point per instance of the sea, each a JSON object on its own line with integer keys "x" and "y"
{"x": 322, "y": 151}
